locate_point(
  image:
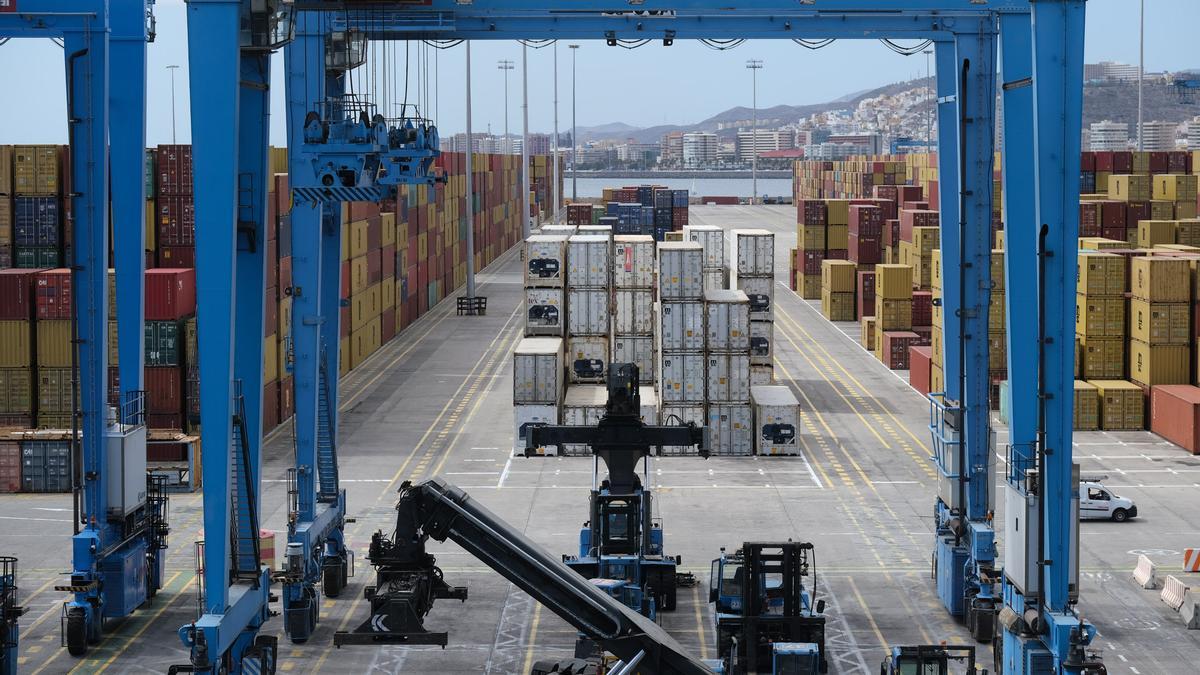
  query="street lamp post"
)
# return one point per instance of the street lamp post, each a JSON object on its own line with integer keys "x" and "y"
{"x": 554, "y": 154}
{"x": 506, "y": 66}
{"x": 929, "y": 112}
{"x": 525, "y": 142}
{"x": 470, "y": 189}
{"x": 574, "y": 137}
{"x": 172, "y": 68}
{"x": 1141, "y": 70}
{"x": 754, "y": 65}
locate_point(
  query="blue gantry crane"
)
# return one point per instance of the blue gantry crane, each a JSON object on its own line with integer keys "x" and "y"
{"x": 119, "y": 515}
{"x": 10, "y": 613}
{"x": 1035, "y": 46}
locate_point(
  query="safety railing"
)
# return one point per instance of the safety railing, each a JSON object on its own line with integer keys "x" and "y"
{"x": 943, "y": 443}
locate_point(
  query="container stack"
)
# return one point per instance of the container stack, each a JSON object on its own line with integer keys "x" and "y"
{"x": 681, "y": 337}
{"x": 776, "y": 420}
{"x": 727, "y": 371}
{"x": 54, "y": 348}
{"x": 1100, "y": 316}
{"x": 589, "y": 325}
{"x": 893, "y": 315}
{"x": 1160, "y": 322}
{"x": 712, "y": 238}
{"x": 811, "y": 235}
{"x": 37, "y": 232}
{"x": 865, "y": 234}
{"x": 837, "y": 289}
{"x": 752, "y": 270}
{"x": 538, "y": 377}
{"x": 6, "y": 212}
{"x": 176, "y": 213}
{"x": 633, "y": 329}
{"x": 545, "y": 284}
{"x": 16, "y": 347}
{"x": 170, "y": 302}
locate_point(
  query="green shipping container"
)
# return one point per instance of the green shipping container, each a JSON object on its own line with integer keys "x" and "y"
{"x": 151, "y": 154}
{"x": 191, "y": 345}
{"x": 16, "y": 390}
{"x": 35, "y": 257}
{"x": 54, "y": 391}
{"x": 163, "y": 343}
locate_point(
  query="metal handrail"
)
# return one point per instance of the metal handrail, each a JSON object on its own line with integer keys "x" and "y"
{"x": 937, "y": 426}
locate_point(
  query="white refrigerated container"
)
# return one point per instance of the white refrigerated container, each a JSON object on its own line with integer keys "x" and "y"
{"x": 681, "y": 377}
{"x": 762, "y": 340}
{"x": 715, "y": 278}
{"x": 633, "y": 261}
{"x": 545, "y": 260}
{"x": 730, "y": 429}
{"x": 752, "y": 253}
{"x": 525, "y": 415}
{"x": 649, "y": 404}
{"x": 588, "y": 261}
{"x": 727, "y": 321}
{"x": 712, "y": 238}
{"x": 681, "y": 414}
{"x": 634, "y": 311}
{"x": 761, "y": 291}
{"x": 680, "y": 270}
{"x": 761, "y": 374}
{"x": 538, "y": 370}
{"x": 776, "y": 420}
{"x": 583, "y": 406}
{"x": 587, "y": 311}
{"x": 545, "y": 311}
{"x": 587, "y": 358}
{"x": 727, "y": 377}
{"x": 638, "y": 350}
{"x": 681, "y": 326}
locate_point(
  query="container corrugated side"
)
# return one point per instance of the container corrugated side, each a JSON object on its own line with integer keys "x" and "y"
{"x": 538, "y": 371}
{"x": 587, "y": 311}
{"x": 633, "y": 261}
{"x": 715, "y": 278}
{"x": 54, "y": 348}
{"x": 727, "y": 378}
{"x": 525, "y": 415}
{"x": 588, "y": 263}
{"x": 10, "y": 466}
{"x": 681, "y": 326}
{"x": 634, "y": 311}
{"x": 680, "y": 272}
{"x": 583, "y": 406}
{"x": 54, "y": 390}
{"x": 753, "y": 252}
{"x": 682, "y": 377}
{"x": 587, "y": 358}
{"x": 677, "y": 415}
{"x": 16, "y": 390}
{"x": 712, "y": 238}
{"x": 649, "y": 404}
{"x": 730, "y": 428}
{"x": 638, "y": 350}
{"x": 727, "y": 320}
{"x": 761, "y": 373}
{"x": 16, "y": 344}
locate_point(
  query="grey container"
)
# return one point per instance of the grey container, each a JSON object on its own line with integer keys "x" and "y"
{"x": 681, "y": 326}
{"x": 762, "y": 341}
{"x": 587, "y": 358}
{"x": 761, "y": 374}
{"x": 761, "y": 291}
{"x": 46, "y": 466}
{"x": 730, "y": 429}
{"x": 545, "y": 311}
{"x": 545, "y": 260}
{"x": 633, "y": 261}
{"x": 727, "y": 321}
{"x": 633, "y": 311}
{"x": 752, "y": 253}
{"x": 588, "y": 261}
{"x": 527, "y": 415}
{"x": 680, "y": 270}
{"x": 715, "y": 278}
{"x": 678, "y": 415}
{"x": 776, "y": 420}
{"x": 681, "y": 377}
{"x": 712, "y": 238}
{"x": 538, "y": 371}
{"x": 583, "y": 406}
{"x": 727, "y": 377}
{"x": 587, "y": 311}
{"x": 638, "y": 350}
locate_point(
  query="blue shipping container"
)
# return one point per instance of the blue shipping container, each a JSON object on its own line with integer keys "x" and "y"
{"x": 36, "y": 221}
{"x": 46, "y": 466}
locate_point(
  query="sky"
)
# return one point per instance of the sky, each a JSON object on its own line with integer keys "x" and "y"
{"x": 653, "y": 85}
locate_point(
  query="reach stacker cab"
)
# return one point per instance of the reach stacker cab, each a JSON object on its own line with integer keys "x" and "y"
{"x": 930, "y": 660}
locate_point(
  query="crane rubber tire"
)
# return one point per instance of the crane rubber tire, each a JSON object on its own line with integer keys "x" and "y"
{"x": 77, "y": 638}
{"x": 333, "y": 580}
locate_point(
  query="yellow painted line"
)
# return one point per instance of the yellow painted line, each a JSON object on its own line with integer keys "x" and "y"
{"x": 363, "y": 388}
{"x": 51, "y": 611}
{"x": 870, "y": 616}
{"x": 700, "y": 621}
{"x": 132, "y": 639}
{"x": 533, "y": 630}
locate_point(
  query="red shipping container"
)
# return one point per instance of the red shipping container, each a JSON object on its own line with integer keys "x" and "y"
{"x": 1122, "y": 162}
{"x": 1159, "y": 162}
{"x": 344, "y": 320}
{"x": 811, "y": 212}
{"x": 17, "y": 293}
{"x": 287, "y": 399}
{"x": 166, "y": 452}
{"x": 917, "y": 205}
{"x": 164, "y": 420}
{"x": 1087, "y": 161}
{"x": 1179, "y": 162}
{"x": 271, "y": 262}
{"x": 866, "y": 293}
{"x": 374, "y": 266}
{"x": 53, "y": 292}
{"x": 170, "y": 293}
{"x": 1112, "y": 214}
{"x": 920, "y": 361}
{"x": 1175, "y": 414}
{"x": 837, "y": 254}
{"x": 176, "y": 220}
{"x": 1119, "y": 233}
{"x": 174, "y": 164}
{"x": 909, "y": 193}
{"x": 270, "y": 406}
{"x": 283, "y": 197}
{"x": 285, "y": 273}
{"x": 1089, "y": 219}
{"x": 924, "y": 335}
{"x": 388, "y": 329}
{"x": 164, "y": 389}
{"x": 864, "y": 249}
{"x": 389, "y": 261}
{"x": 922, "y": 308}
{"x": 364, "y": 210}
{"x": 885, "y": 192}
{"x": 374, "y": 233}
{"x": 10, "y": 466}
{"x": 177, "y": 256}
{"x": 1104, "y": 160}
{"x": 284, "y": 239}
{"x": 910, "y": 218}
{"x": 895, "y": 348}
{"x": 114, "y": 386}
{"x": 345, "y": 288}
{"x": 866, "y": 220}
{"x": 270, "y": 312}
{"x": 1135, "y": 211}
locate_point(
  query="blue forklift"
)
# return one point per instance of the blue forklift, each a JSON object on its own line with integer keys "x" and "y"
{"x": 767, "y": 620}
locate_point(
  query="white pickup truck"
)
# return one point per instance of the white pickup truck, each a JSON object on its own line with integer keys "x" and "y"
{"x": 1098, "y": 502}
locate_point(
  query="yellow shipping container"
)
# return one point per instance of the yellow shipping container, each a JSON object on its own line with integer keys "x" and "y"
{"x": 893, "y": 282}
{"x": 270, "y": 358}
{"x": 926, "y": 237}
{"x": 1159, "y": 364}
{"x": 54, "y": 348}
{"x": 811, "y": 237}
{"x": 1100, "y": 243}
{"x": 113, "y": 350}
{"x": 1160, "y": 210}
{"x": 1160, "y": 323}
{"x": 365, "y": 341}
{"x": 1174, "y": 187}
{"x": 1151, "y": 233}
{"x": 358, "y": 275}
{"x": 1000, "y": 239}
{"x": 893, "y": 314}
{"x": 935, "y": 270}
{"x": 1099, "y": 316}
{"x": 358, "y": 238}
{"x": 837, "y": 306}
{"x": 35, "y": 170}
{"x": 387, "y": 294}
{"x": 1122, "y": 405}
{"x": 997, "y": 269}
{"x": 1160, "y": 279}
{"x": 937, "y": 379}
{"x": 16, "y": 348}
{"x": 1102, "y": 358}
{"x": 6, "y": 165}
{"x": 1100, "y": 274}
{"x": 1185, "y": 210}
{"x": 997, "y": 351}
{"x": 1087, "y": 406}
{"x": 996, "y": 314}
{"x": 837, "y": 211}
{"x": 344, "y": 356}
{"x": 1129, "y": 188}
{"x": 838, "y": 275}
{"x": 837, "y": 237}
{"x": 811, "y": 286}
{"x": 1187, "y": 232}
{"x": 284, "y": 328}
{"x": 387, "y": 221}
{"x": 867, "y": 332}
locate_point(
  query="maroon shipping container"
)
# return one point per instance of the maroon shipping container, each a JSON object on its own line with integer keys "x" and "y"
{"x": 374, "y": 266}
{"x": 1122, "y": 162}
{"x": 1112, "y": 214}
{"x": 164, "y": 389}
{"x": 345, "y": 287}
{"x": 176, "y": 220}
{"x": 812, "y": 212}
{"x": 1175, "y": 414}
{"x": 1087, "y": 161}
{"x": 1118, "y": 233}
{"x": 920, "y": 361}
{"x": 270, "y": 406}
{"x": 387, "y": 330}
{"x": 271, "y": 262}
{"x": 915, "y": 205}
{"x": 114, "y": 385}
{"x": 1177, "y": 162}
{"x": 344, "y": 320}
{"x": 837, "y": 254}
{"x": 922, "y": 308}
{"x": 363, "y": 210}
{"x": 1159, "y": 162}
{"x": 166, "y": 452}
{"x": 909, "y": 193}
{"x": 866, "y": 220}
{"x": 164, "y": 420}
{"x": 866, "y": 293}
{"x": 10, "y": 466}
{"x": 910, "y": 218}
{"x": 891, "y": 232}
{"x": 284, "y": 240}
{"x": 812, "y": 262}
{"x": 287, "y": 399}
{"x": 1135, "y": 211}
{"x": 174, "y": 163}
{"x": 170, "y": 293}
{"x": 895, "y": 348}
{"x": 1104, "y": 160}
{"x": 389, "y": 260}
{"x": 17, "y": 294}
{"x": 270, "y": 312}
{"x": 864, "y": 249}
{"x": 885, "y": 192}
{"x": 924, "y": 335}
{"x": 53, "y": 290}
{"x": 177, "y": 256}
{"x": 1089, "y": 219}
{"x": 285, "y": 273}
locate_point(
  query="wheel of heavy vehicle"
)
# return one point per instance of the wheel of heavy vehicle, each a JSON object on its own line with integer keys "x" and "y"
{"x": 333, "y": 580}
{"x": 1120, "y": 515}
{"x": 77, "y": 642}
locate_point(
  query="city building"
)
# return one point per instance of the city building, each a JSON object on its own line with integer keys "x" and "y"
{"x": 638, "y": 153}
{"x": 831, "y": 151}
{"x": 539, "y": 144}
{"x": 1193, "y": 134}
{"x": 1109, "y": 135}
{"x": 866, "y": 143}
{"x": 1159, "y": 136}
{"x": 1110, "y": 71}
{"x": 699, "y": 149}
{"x": 750, "y": 143}
{"x": 671, "y": 148}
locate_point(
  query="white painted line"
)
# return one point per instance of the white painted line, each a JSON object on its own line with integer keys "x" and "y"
{"x": 488, "y": 448}
{"x": 340, "y": 480}
{"x": 895, "y": 482}
{"x": 478, "y": 459}
{"x": 811, "y": 473}
{"x": 1122, "y": 657}
{"x": 43, "y": 520}
{"x": 504, "y": 474}
{"x": 471, "y": 473}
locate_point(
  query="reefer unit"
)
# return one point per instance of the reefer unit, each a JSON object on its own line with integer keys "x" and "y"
{"x": 583, "y": 406}
{"x": 638, "y": 350}
{"x": 633, "y": 261}
{"x": 681, "y": 377}
{"x": 680, "y": 272}
{"x": 727, "y": 320}
{"x": 545, "y": 260}
{"x": 587, "y": 358}
{"x": 712, "y": 238}
{"x": 544, "y": 311}
{"x": 634, "y": 311}
{"x": 588, "y": 261}
{"x": 776, "y": 420}
{"x": 727, "y": 377}
{"x": 761, "y": 291}
{"x": 730, "y": 428}
{"x": 681, "y": 326}
{"x": 587, "y": 311}
{"x": 761, "y": 373}
{"x": 753, "y": 253}
{"x": 538, "y": 370}
{"x": 526, "y": 415}
{"x": 680, "y": 414}
{"x": 762, "y": 334}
